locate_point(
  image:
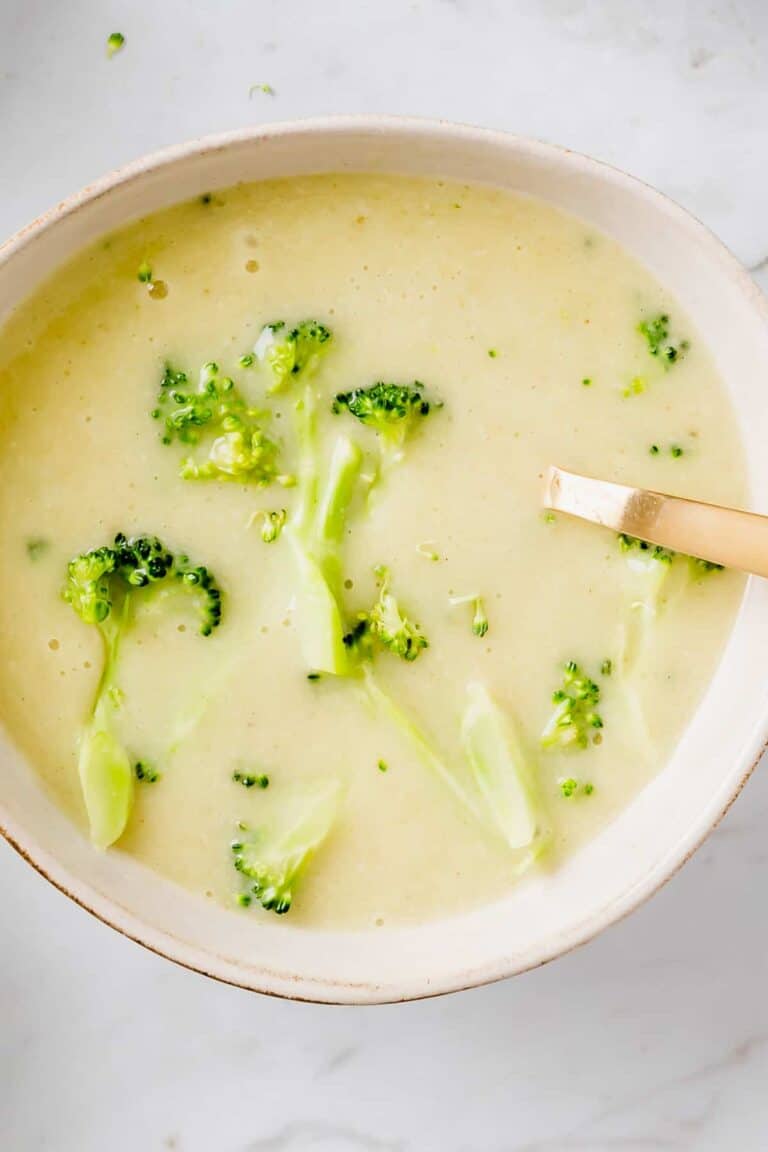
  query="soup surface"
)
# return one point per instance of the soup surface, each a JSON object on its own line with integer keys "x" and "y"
{"x": 524, "y": 327}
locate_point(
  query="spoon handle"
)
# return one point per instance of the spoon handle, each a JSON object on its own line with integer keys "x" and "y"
{"x": 726, "y": 536}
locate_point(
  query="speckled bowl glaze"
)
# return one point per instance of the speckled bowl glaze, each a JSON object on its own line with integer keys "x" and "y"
{"x": 548, "y": 914}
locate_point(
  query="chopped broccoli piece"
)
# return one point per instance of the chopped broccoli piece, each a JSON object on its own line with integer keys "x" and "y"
{"x": 382, "y": 766}
{"x": 386, "y": 626}
{"x": 392, "y": 410}
{"x": 606, "y": 668}
{"x": 636, "y": 387}
{"x": 701, "y": 567}
{"x": 499, "y": 767}
{"x": 500, "y": 798}
{"x": 427, "y": 550}
{"x": 250, "y": 779}
{"x": 676, "y": 451}
{"x": 272, "y": 524}
{"x": 479, "y": 617}
{"x": 390, "y": 627}
{"x": 37, "y": 546}
{"x": 271, "y": 858}
{"x": 144, "y": 274}
{"x": 101, "y": 586}
{"x": 655, "y": 330}
{"x": 317, "y": 526}
{"x": 216, "y": 418}
{"x": 145, "y": 772}
{"x": 575, "y": 714}
{"x": 291, "y": 352}
{"x": 493, "y": 353}
{"x": 115, "y": 41}
{"x": 569, "y": 787}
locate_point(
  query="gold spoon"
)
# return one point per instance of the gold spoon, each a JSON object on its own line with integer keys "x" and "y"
{"x": 726, "y": 536}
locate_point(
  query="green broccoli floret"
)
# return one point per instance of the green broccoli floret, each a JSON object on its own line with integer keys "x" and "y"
{"x": 145, "y": 772}
{"x": 271, "y": 858}
{"x": 479, "y": 616}
{"x": 101, "y": 586}
{"x": 115, "y": 41}
{"x": 272, "y": 524}
{"x": 655, "y": 330}
{"x": 291, "y": 352}
{"x": 390, "y": 627}
{"x": 218, "y": 420}
{"x": 384, "y": 626}
{"x": 392, "y": 410}
{"x": 575, "y": 715}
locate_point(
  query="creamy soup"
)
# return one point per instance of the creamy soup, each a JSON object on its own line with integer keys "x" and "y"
{"x": 534, "y": 340}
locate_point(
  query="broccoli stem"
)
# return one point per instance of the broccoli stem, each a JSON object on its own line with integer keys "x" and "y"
{"x": 306, "y": 436}
{"x": 499, "y": 767}
{"x": 394, "y": 713}
{"x": 319, "y": 619}
{"x": 337, "y": 494}
{"x": 316, "y": 536}
{"x": 104, "y": 766}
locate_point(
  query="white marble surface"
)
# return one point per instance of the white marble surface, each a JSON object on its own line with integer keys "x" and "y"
{"x": 656, "y": 1035}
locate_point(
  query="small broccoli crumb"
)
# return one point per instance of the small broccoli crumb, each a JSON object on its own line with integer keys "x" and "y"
{"x": 656, "y": 334}
{"x": 632, "y": 543}
{"x": 144, "y": 274}
{"x": 606, "y": 668}
{"x": 493, "y": 353}
{"x": 37, "y": 546}
{"x": 654, "y": 449}
{"x": 266, "y": 89}
{"x": 243, "y": 899}
{"x": 676, "y": 451}
{"x": 587, "y": 381}
{"x": 314, "y": 676}
{"x": 636, "y": 387}
{"x": 248, "y": 360}
{"x": 251, "y": 780}
{"x": 272, "y": 524}
{"x": 705, "y": 565}
{"x": 382, "y": 766}
{"x": 548, "y": 517}
{"x": 145, "y": 772}
{"x": 427, "y": 550}
{"x": 570, "y": 787}
{"x": 115, "y": 41}
{"x": 479, "y": 617}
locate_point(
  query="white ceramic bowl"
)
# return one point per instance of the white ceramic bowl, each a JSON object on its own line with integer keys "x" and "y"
{"x": 548, "y": 914}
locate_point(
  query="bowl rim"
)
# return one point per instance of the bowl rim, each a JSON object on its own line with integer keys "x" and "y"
{"x": 305, "y": 987}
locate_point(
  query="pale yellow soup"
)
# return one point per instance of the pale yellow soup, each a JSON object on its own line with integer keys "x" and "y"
{"x": 502, "y": 307}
